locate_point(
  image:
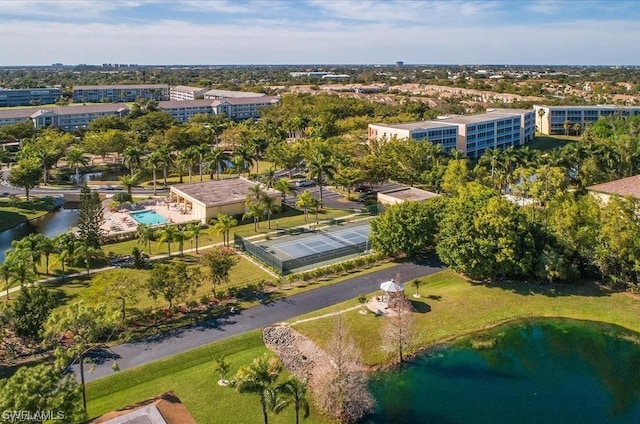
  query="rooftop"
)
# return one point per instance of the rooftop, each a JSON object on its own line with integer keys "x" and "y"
{"x": 416, "y": 125}
{"x": 482, "y": 117}
{"x": 629, "y": 186}
{"x": 178, "y": 104}
{"x": 119, "y": 86}
{"x": 164, "y": 409}
{"x": 587, "y": 107}
{"x": 232, "y": 94}
{"x": 219, "y": 192}
{"x": 62, "y": 110}
{"x": 187, "y": 88}
{"x": 246, "y": 100}
{"x": 410, "y": 194}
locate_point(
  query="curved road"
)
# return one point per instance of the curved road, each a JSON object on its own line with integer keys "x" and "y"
{"x": 130, "y": 355}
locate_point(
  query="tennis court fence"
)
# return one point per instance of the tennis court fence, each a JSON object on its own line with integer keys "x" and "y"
{"x": 290, "y": 265}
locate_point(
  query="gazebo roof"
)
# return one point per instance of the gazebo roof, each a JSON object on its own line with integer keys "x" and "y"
{"x": 392, "y": 286}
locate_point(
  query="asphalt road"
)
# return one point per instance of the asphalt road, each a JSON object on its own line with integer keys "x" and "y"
{"x": 130, "y": 355}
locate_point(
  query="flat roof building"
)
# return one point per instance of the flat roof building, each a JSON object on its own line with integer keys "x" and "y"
{"x": 473, "y": 134}
{"x": 405, "y": 194}
{"x": 229, "y": 94}
{"x": 551, "y": 119}
{"x": 184, "y": 92}
{"x": 29, "y": 96}
{"x": 207, "y": 199}
{"x": 119, "y": 93}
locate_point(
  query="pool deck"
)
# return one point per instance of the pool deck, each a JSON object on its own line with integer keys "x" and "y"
{"x": 121, "y": 222}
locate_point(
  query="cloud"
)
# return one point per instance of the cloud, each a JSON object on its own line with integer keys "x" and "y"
{"x": 179, "y": 42}
{"x": 65, "y": 9}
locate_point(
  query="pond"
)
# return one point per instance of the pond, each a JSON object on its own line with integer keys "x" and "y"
{"x": 50, "y": 225}
{"x": 549, "y": 371}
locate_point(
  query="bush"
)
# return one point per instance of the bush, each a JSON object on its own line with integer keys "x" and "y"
{"x": 204, "y": 300}
{"x": 121, "y": 197}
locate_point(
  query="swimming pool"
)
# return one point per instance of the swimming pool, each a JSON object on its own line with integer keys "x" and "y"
{"x": 148, "y": 218}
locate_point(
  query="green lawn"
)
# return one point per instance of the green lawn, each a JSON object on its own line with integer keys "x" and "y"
{"x": 545, "y": 143}
{"x": 191, "y": 377}
{"x": 449, "y": 307}
{"x": 14, "y": 211}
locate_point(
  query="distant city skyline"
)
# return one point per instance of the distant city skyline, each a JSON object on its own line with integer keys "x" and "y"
{"x": 551, "y": 32}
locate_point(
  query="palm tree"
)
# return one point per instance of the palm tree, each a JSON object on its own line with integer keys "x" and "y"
{"x": 255, "y": 194}
{"x": 194, "y": 232}
{"x": 189, "y": 158}
{"x": 244, "y": 156}
{"x": 65, "y": 245}
{"x": 86, "y": 254}
{"x": 567, "y": 126}
{"x": 238, "y": 164}
{"x": 294, "y": 392}
{"x": 541, "y": 113}
{"x": 223, "y": 225}
{"x": 305, "y": 201}
{"x": 217, "y": 161}
{"x": 270, "y": 206}
{"x": 259, "y": 378}
{"x": 154, "y": 160}
{"x": 254, "y": 211}
{"x": 167, "y": 159}
{"x": 203, "y": 151}
{"x": 168, "y": 234}
{"x": 268, "y": 177}
{"x": 75, "y": 158}
{"x": 492, "y": 158}
{"x": 46, "y": 247}
{"x": 129, "y": 181}
{"x": 132, "y": 158}
{"x": 180, "y": 236}
{"x": 284, "y": 187}
{"x": 21, "y": 265}
{"x": 320, "y": 166}
{"x": 145, "y": 235}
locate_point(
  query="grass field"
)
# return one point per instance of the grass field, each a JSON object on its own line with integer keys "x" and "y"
{"x": 449, "y": 307}
{"x": 549, "y": 142}
{"x": 14, "y": 211}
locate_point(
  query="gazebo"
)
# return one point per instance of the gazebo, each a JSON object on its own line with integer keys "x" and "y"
{"x": 391, "y": 289}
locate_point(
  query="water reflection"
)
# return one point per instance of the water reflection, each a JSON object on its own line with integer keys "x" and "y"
{"x": 543, "y": 371}
{"x": 50, "y": 225}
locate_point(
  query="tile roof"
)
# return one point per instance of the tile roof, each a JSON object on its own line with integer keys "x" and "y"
{"x": 629, "y": 186}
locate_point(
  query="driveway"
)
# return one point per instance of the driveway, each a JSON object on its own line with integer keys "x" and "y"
{"x": 141, "y": 352}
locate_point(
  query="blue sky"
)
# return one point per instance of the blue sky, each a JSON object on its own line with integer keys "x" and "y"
{"x": 319, "y": 31}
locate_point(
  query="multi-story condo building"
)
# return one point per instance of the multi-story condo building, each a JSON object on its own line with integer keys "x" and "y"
{"x": 566, "y": 119}
{"x": 67, "y": 118}
{"x": 235, "y": 108}
{"x": 184, "y": 92}
{"x": 29, "y": 96}
{"x": 474, "y": 134}
{"x": 434, "y": 131}
{"x": 228, "y": 94}
{"x": 119, "y": 93}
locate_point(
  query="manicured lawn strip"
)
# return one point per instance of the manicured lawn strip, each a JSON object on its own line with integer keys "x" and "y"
{"x": 459, "y": 307}
{"x": 191, "y": 377}
{"x": 14, "y": 212}
{"x": 195, "y": 177}
{"x": 549, "y": 142}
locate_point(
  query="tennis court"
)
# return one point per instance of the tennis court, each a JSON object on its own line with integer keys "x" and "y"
{"x": 307, "y": 248}
{"x": 323, "y": 242}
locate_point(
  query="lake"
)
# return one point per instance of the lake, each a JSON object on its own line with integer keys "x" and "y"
{"x": 50, "y": 225}
{"x": 544, "y": 371}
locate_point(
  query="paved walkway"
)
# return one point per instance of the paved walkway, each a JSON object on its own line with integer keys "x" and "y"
{"x": 134, "y": 354}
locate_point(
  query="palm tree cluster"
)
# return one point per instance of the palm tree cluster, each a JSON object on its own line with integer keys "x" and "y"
{"x": 260, "y": 204}
{"x": 169, "y": 234}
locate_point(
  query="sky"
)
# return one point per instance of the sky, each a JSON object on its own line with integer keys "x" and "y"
{"x": 225, "y": 32}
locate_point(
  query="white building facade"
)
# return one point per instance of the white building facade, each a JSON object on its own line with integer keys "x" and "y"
{"x": 184, "y": 92}
{"x": 551, "y": 119}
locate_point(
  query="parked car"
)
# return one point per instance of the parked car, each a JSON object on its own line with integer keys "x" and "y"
{"x": 305, "y": 183}
{"x": 362, "y": 188}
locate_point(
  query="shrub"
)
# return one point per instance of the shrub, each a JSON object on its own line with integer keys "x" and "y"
{"x": 121, "y": 197}
{"x": 204, "y": 300}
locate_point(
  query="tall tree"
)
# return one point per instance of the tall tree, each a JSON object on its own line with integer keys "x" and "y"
{"x": 42, "y": 388}
{"x": 304, "y": 202}
{"x": 260, "y": 378}
{"x": 26, "y": 174}
{"x": 75, "y": 331}
{"x": 153, "y": 161}
{"x": 223, "y": 225}
{"x": 31, "y": 310}
{"x": 320, "y": 166}
{"x": 173, "y": 281}
{"x": 167, "y": 234}
{"x": 254, "y": 211}
{"x": 293, "y": 392}
{"x": 284, "y": 187}
{"x": 90, "y": 218}
{"x": 194, "y": 230}
{"x": 270, "y": 207}
{"x": 218, "y": 262}
{"x": 398, "y": 327}
{"x": 75, "y": 159}
{"x": 146, "y": 235}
